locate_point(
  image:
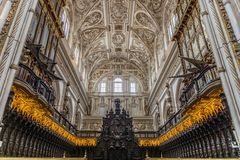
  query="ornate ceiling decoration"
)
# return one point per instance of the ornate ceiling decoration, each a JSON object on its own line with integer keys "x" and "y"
{"x": 118, "y": 38}
{"x": 117, "y": 66}
{"x": 93, "y": 19}
{"x": 124, "y": 32}
{"x": 119, "y": 11}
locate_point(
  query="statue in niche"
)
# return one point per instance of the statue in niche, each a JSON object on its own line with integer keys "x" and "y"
{"x": 146, "y": 108}
{"x": 89, "y": 108}
{"x": 158, "y": 120}
{"x": 169, "y": 105}
{"x": 169, "y": 113}
{"x": 133, "y": 103}
{"x": 65, "y": 112}
{"x": 66, "y": 104}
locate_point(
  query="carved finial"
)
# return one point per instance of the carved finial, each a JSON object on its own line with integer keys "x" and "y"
{"x": 117, "y": 104}
{"x": 111, "y": 111}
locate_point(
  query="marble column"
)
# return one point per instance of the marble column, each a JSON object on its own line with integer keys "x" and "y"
{"x": 223, "y": 58}
{"x": 13, "y": 49}
{"x": 109, "y": 104}
{"x": 109, "y": 84}
{"x": 156, "y": 54}
{"x": 126, "y": 84}
{"x": 234, "y": 16}
{"x": 126, "y": 104}
{"x": 4, "y": 13}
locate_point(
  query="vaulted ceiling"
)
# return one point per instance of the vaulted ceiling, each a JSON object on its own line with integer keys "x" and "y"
{"x": 118, "y": 35}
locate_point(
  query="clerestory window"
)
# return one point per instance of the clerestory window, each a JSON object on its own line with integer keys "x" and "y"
{"x": 133, "y": 87}
{"x": 118, "y": 85}
{"x": 76, "y": 55}
{"x": 103, "y": 87}
{"x": 65, "y": 21}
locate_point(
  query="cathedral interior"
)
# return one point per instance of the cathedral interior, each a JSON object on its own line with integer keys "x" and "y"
{"x": 120, "y": 79}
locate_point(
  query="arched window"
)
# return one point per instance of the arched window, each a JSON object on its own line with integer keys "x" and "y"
{"x": 133, "y": 87}
{"x": 65, "y": 21}
{"x": 118, "y": 85}
{"x": 103, "y": 87}
{"x": 172, "y": 26}
{"x": 76, "y": 55}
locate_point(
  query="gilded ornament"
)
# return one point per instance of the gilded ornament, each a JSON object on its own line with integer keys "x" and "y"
{"x": 34, "y": 110}
{"x": 201, "y": 111}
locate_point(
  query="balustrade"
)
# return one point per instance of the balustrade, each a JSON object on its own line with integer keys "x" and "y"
{"x": 26, "y": 75}
{"x": 208, "y": 76}
{"x": 212, "y": 137}
{"x": 64, "y": 122}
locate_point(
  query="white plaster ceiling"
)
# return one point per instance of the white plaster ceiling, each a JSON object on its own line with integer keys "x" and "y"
{"x": 117, "y": 34}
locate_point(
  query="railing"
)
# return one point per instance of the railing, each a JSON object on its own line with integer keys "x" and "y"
{"x": 199, "y": 83}
{"x": 88, "y": 134}
{"x": 146, "y": 134}
{"x": 197, "y": 86}
{"x": 96, "y": 134}
{"x": 64, "y": 122}
{"x": 170, "y": 123}
{"x": 26, "y": 75}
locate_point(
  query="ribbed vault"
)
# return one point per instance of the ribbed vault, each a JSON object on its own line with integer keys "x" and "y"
{"x": 120, "y": 35}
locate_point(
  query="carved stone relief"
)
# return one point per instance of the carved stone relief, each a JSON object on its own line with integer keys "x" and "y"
{"x": 143, "y": 124}
{"x": 139, "y": 124}
{"x": 118, "y": 38}
{"x": 83, "y": 6}
{"x": 144, "y": 20}
{"x": 92, "y": 19}
{"x": 90, "y": 35}
{"x": 92, "y": 124}
{"x": 147, "y": 36}
{"x": 119, "y": 12}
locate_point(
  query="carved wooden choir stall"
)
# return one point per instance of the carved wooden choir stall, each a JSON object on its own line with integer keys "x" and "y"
{"x": 117, "y": 140}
